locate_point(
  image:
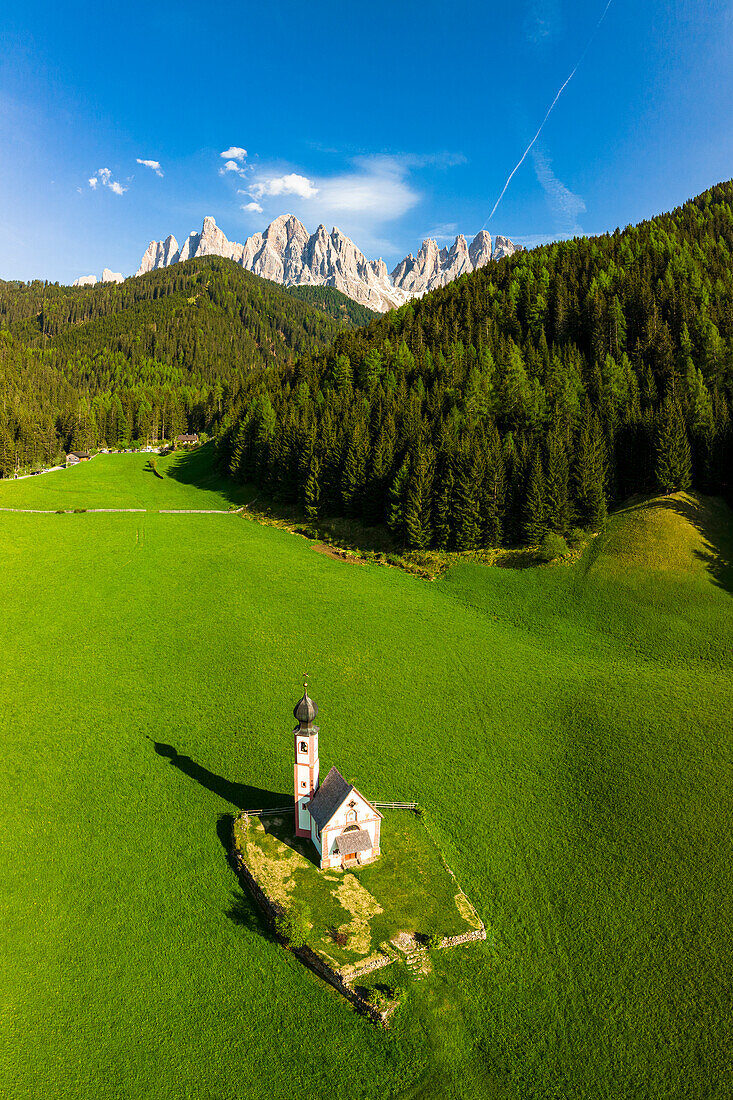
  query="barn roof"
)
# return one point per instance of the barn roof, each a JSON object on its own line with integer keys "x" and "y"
{"x": 332, "y": 793}
{"x": 358, "y": 841}
{"x": 79, "y": 454}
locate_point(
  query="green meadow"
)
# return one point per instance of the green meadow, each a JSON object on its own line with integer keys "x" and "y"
{"x": 567, "y": 730}
{"x": 127, "y": 481}
{"x": 408, "y": 889}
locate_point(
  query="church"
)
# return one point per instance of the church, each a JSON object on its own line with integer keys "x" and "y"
{"x": 341, "y": 823}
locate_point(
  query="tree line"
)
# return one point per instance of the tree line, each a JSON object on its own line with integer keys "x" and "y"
{"x": 522, "y": 398}
{"x": 148, "y": 359}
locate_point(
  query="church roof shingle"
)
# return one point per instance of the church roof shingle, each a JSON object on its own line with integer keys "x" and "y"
{"x": 333, "y": 791}
{"x": 359, "y": 841}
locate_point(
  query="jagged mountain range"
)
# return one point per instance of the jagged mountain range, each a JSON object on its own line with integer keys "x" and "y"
{"x": 107, "y": 277}
{"x": 287, "y": 254}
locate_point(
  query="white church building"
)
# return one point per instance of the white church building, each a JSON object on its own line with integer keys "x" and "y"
{"x": 344, "y": 827}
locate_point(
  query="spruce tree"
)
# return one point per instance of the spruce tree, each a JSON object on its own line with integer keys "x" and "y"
{"x": 417, "y": 506}
{"x": 396, "y": 515}
{"x": 353, "y": 477}
{"x": 534, "y": 523}
{"x": 590, "y": 473}
{"x": 493, "y": 491}
{"x": 467, "y": 498}
{"x": 312, "y": 491}
{"x": 673, "y": 467}
{"x": 380, "y": 467}
{"x": 557, "y": 498}
{"x": 443, "y": 504}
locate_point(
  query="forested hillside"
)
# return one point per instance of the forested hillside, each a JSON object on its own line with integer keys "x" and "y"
{"x": 152, "y": 357}
{"x": 334, "y": 303}
{"x": 520, "y": 399}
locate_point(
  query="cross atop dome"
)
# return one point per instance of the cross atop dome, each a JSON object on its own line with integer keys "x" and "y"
{"x": 305, "y": 709}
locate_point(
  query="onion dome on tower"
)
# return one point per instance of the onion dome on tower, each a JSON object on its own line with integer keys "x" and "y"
{"x": 305, "y": 709}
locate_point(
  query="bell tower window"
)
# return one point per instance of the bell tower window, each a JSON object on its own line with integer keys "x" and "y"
{"x": 304, "y": 746}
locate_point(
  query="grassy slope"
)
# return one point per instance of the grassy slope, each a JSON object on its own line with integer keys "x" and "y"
{"x": 568, "y": 730}
{"x": 125, "y": 481}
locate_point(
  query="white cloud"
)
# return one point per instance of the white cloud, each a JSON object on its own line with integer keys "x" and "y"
{"x": 446, "y": 231}
{"x": 361, "y": 200}
{"x": 563, "y": 203}
{"x": 234, "y": 152}
{"x": 375, "y": 190}
{"x": 154, "y": 164}
{"x": 291, "y": 184}
{"x": 234, "y": 160}
{"x": 104, "y": 176}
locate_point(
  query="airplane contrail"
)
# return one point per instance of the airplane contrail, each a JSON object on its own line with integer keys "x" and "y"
{"x": 523, "y": 157}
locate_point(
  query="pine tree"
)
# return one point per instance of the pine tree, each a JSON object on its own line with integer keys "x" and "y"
{"x": 443, "y": 503}
{"x": 381, "y": 464}
{"x": 353, "y": 477}
{"x": 312, "y": 491}
{"x": 467, "y": 498}
{"x": 590, "y": 473}
{"x": 417, "y": 506}
{"x": 493, "y": 491}
{"x": 342, "y": 373}
{"x": 557, "y": 497}
{"x": 673, "y": 460}
{"x": 535, "y": 509}
{"x": 396, "y": 516}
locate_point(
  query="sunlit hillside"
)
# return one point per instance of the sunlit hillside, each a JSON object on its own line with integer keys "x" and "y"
{"x": 566, "y": 729}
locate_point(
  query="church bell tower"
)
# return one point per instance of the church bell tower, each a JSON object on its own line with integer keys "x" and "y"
{"x": 306, "y": 761}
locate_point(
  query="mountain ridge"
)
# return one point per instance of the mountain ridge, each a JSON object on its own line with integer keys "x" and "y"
{"x": 287, "y": 254}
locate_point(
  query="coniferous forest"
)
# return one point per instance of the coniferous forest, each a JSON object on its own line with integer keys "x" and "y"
{"x": 166, "y": 353}
{"x": 519, "y": 400}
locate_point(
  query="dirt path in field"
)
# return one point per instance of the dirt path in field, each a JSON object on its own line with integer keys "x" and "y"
{"x": 337, "y": 555}
{"x": 115, "y": 511}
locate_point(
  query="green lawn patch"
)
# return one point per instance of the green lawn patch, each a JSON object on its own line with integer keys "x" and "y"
{"x": 183, "y": 479}
{"x": 407, "y": 890}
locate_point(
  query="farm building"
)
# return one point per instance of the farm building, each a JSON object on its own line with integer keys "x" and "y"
{"x": 186, "y": 440}
{"x": 343, "y": 826}
{"x": 77, "y": 456}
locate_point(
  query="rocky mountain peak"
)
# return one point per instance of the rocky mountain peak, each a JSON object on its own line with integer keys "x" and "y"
{"x": 286, "y": 253}
{"x": 504, "y": 247}
{"x": 480, "y": 251}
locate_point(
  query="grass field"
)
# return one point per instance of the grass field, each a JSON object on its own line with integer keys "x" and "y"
{"x": 126, "y": 481}
{"x": 408, "y": 889}
{"x": 567, "y": 730}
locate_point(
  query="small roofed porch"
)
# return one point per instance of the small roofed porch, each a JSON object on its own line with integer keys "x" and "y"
{"x": 354, "y": 846}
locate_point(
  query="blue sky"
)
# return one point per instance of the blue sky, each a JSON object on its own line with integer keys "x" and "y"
{"x": 392, "y": 120}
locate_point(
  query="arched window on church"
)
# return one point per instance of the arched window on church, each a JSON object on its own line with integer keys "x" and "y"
{"x": 304, "y": 746}
{"x": 351, "y": 815}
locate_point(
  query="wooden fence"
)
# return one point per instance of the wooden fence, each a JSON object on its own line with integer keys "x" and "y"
{"x": 377, "y": 805}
